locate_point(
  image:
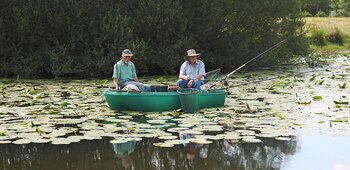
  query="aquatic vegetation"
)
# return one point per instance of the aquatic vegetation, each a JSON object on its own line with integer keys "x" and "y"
{"x": 339, "y": 102}
{"x": 342, "y": 86}
{"x": 73, "y": 111}
{"x": 317, "y": 98}
{"x": 279, "y": 115}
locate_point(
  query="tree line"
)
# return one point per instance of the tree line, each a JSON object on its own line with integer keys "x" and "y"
{"x": 322, "y": 8}
{"x": 84, "y": 38}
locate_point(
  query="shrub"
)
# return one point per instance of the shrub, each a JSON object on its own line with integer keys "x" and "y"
{"x": 318, "y": 37}
{"x": 305, "y": 14}
{"x": 336, "y": 37}
{"x": 321, "y": 14}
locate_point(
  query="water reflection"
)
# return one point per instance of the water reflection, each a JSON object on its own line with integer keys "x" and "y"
{"x": 192, "y": 150}
{"x": 99, "y": 154}
{"x": 123, "y": 151}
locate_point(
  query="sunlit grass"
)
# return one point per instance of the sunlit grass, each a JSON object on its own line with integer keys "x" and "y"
{"x": 329, "y": 25}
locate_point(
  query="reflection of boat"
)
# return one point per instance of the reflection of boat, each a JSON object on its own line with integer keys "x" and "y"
{"x": 160, "y": 101}
{"x": 123, "y": 151}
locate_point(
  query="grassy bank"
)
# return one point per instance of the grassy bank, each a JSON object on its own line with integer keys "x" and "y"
{"x": 328, "y": 33}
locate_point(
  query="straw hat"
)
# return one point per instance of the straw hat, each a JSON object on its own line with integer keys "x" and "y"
{"x": 192, "y": 52}
{"x": 127, "y": 52}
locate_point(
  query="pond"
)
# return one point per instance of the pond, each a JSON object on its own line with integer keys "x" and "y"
{"x": 288, "y": 117}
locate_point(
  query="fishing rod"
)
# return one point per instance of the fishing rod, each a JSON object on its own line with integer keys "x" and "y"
{"x": 256, "y": 57}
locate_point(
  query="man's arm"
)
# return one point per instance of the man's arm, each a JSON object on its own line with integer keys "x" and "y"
{"x": 136, "y": 79}
{"x": 201, "y": 72}
{"x": 115, "y": 77}
{"x": 134, "y": 73}
{"x": 182, "y": 73}
{"x": 115, "y": 82}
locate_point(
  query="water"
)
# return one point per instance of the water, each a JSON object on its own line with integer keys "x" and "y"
{"x": 319, "y": 130}
{"x": 321, "y": 152}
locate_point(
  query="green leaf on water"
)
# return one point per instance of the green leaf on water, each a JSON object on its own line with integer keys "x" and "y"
{"x": 338, "y": 102}
{"x": 65, "y": 104}
{"x": 321, "y": 121}
{"x": 52, "y": 112}
{"x": 313, "y": 77}
{"x": 297, "y": 124}
{"x": 342, "y": 86}
{"x": 348, "y": 70}
{"x": 175, "y": 114}
{"x": 2, "y": 134}
{"x": 30, "y": 124}
{"x": 38, "y": 130}
{"x": 333, "y": 76}
{"x": 279, "y": 115}
{"x": 339, "y": 120}
{"x": 103, "y": 82}
{"x": 304, "y": 102}
{"x": 317, "y": 98}
{"x": 320, "y": 82}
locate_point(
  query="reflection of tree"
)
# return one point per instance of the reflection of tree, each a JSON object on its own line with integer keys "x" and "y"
{"x": 221, "y": 155}
{"x": 98, "y": 154}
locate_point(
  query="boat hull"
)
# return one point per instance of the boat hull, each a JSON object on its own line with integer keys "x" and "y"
{"x": 159, "y": 101}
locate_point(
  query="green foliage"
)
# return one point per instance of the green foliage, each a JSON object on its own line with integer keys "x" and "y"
{"x": 279, "y": 115}
{"x": 317, "y": 98}
{"x": 342, "y": 86}
{"x": 318, "y": 37}
{"x": 85, "y": 38}
{"x": 305, "y": 14}
{"x": 336, "y": 37}
{"x": 321, "y": 14}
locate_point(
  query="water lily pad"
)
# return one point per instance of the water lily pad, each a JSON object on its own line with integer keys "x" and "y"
{"x": 192, "y": 132}
{"x": 42, "y": 141}
{"x": 5, "y": 142}
{"x": 60, "y": 141}
{"x": 199, "y": 141}
{"x": 251, "y": 140}
{"x": 167, "y": 137}
{"x": 176, "y": 142}
{"x": 118, "y": 141}
{"x": 177, "y": 129}
{"x": 156, "y": 121}
{"x": 22, "y": 141}
{"x": 283, "y": 138}
{"x": 163, "y": 145}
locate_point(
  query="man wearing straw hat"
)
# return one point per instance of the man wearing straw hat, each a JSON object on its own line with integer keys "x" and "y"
{"x": 192, "y": 71}
{"x": 124, "y": 74}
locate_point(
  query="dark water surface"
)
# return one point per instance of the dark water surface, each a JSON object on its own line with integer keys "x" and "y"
{"x": 305, "y": 152}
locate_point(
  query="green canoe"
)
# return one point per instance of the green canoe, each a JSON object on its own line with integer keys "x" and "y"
{"x": 159, "y": 101}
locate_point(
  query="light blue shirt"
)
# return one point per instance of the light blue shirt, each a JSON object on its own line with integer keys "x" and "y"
{"x": 192, "y": 70}
{"x": 124, "y": 72}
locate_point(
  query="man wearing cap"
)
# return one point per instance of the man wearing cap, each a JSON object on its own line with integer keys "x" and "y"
{"x": 125, "y": 73}
{"x": 192, "y": 71}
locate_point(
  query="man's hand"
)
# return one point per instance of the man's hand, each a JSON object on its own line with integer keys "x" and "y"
{"x": 198, "y": 77}
{"x": 184, "y": 78}
{"x": 189, "y": 84}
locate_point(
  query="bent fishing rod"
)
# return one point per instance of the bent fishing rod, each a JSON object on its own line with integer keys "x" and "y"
{"x": 256, "y": 57}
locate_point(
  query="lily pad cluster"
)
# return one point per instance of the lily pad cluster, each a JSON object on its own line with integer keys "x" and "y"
{"x": 272, "y": 103}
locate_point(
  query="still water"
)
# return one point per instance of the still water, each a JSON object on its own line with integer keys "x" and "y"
{"x": 307, "y": 151}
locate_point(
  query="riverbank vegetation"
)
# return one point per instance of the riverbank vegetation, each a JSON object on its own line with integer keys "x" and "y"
{"x": 84, "y": 38}
{"x": 328, "y": 34}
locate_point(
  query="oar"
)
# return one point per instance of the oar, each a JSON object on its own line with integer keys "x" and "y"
{"x": 256, "y": 57}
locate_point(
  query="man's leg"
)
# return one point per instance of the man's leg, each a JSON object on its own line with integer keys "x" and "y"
{"x": 142, "y": 87}
{"x": 197, "y": 84}
{"x": 182, "y": 83}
